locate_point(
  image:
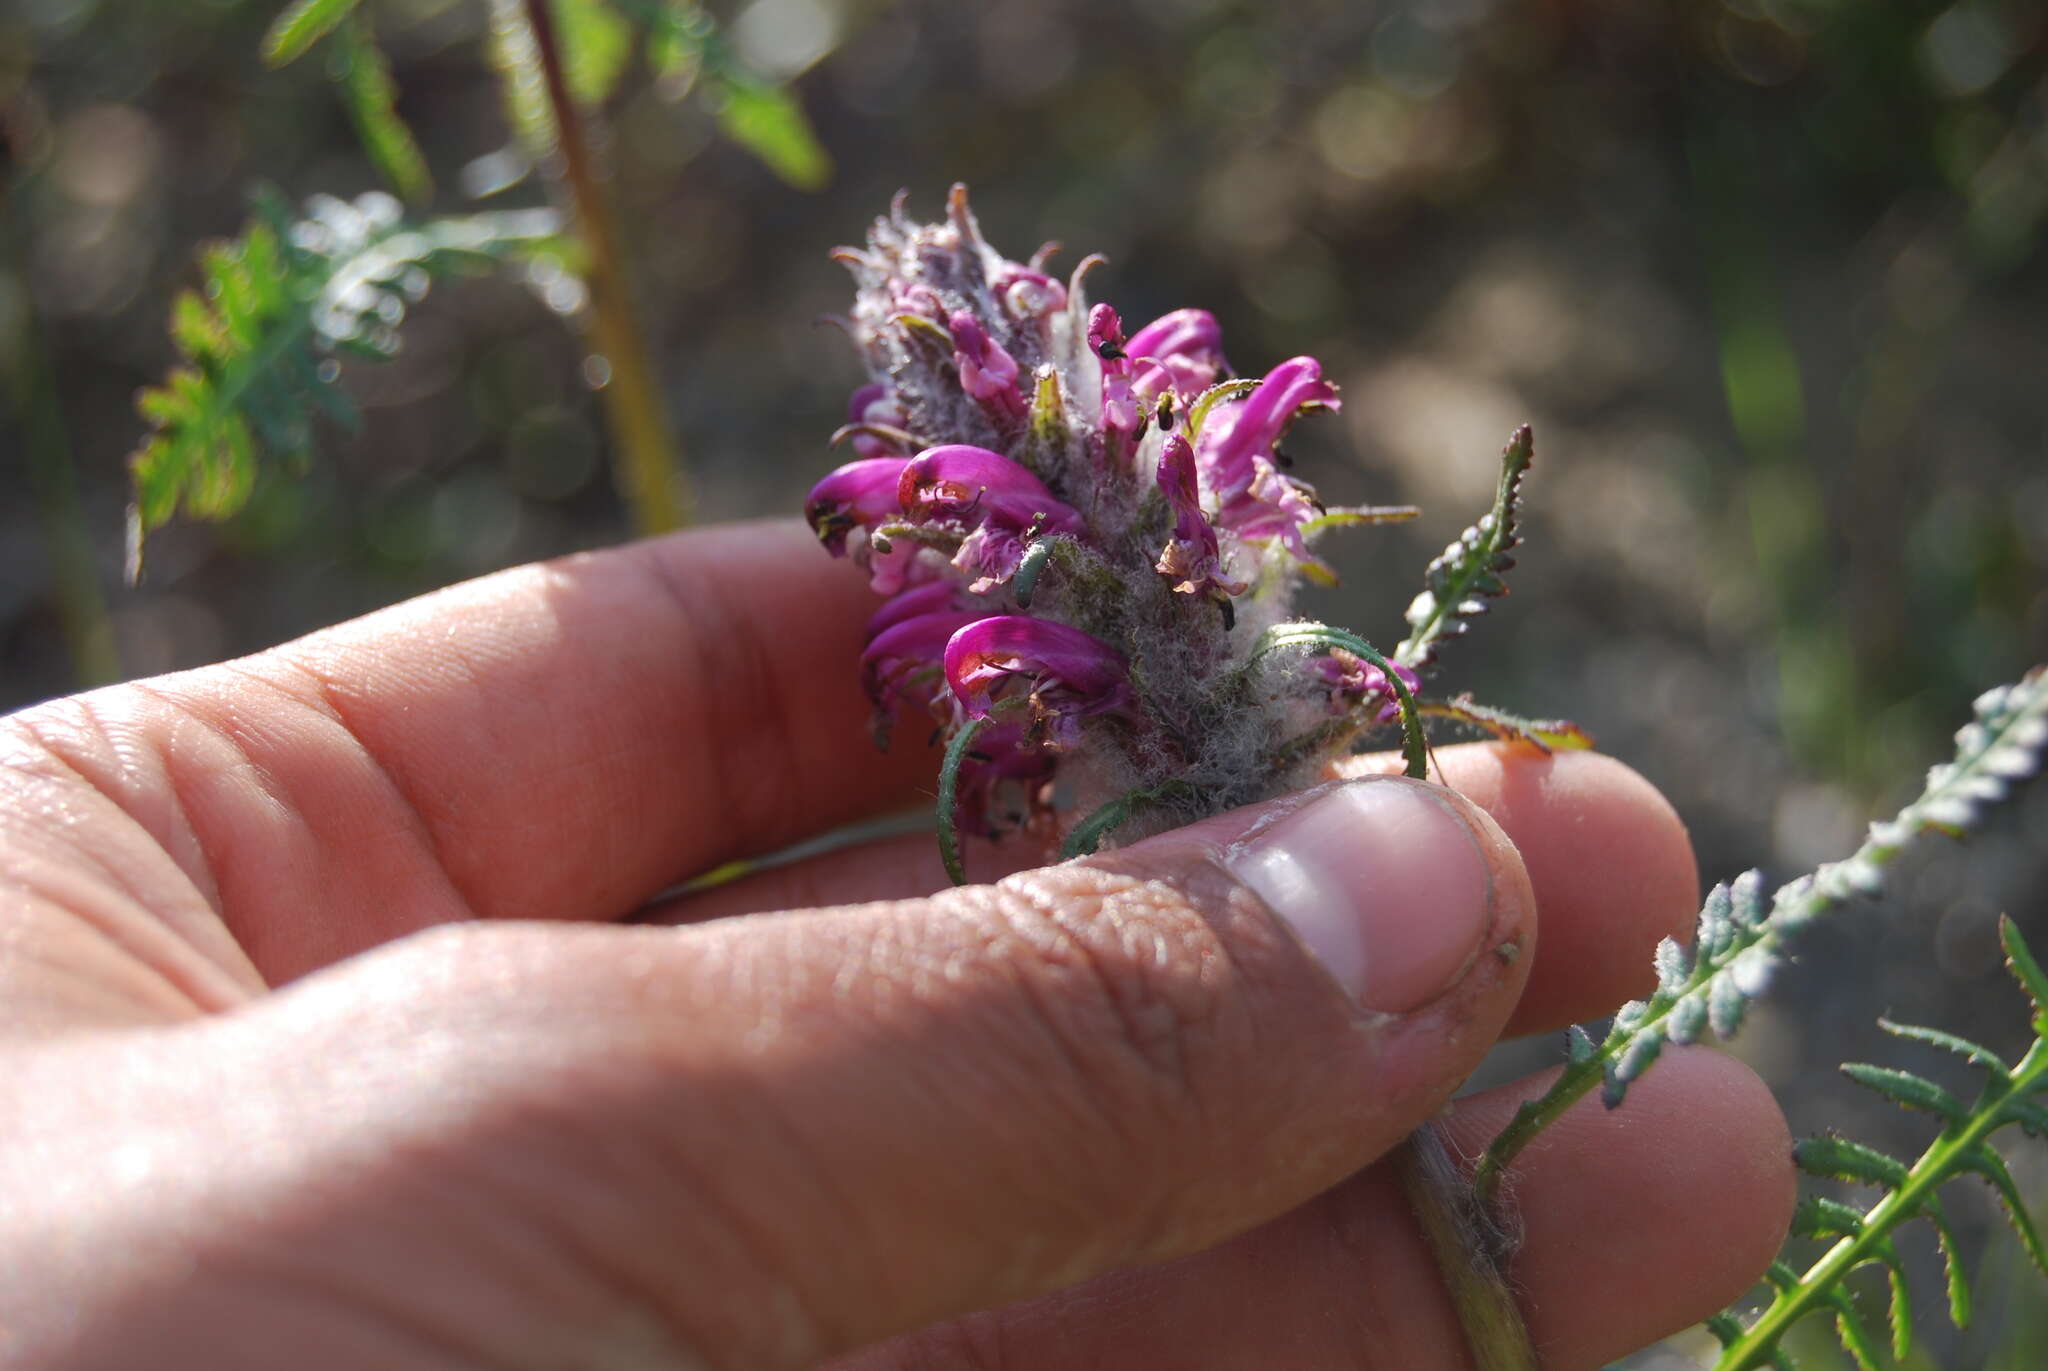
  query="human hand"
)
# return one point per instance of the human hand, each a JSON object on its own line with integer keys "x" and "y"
{"x": 322, "y": 1042}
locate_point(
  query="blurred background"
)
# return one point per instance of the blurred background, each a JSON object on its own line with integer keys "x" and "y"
{"x": 1766, "y": 276}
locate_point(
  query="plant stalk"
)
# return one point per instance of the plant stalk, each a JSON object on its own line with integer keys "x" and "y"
{"x": 1939, "y": 1164}
{"x": 650, "y": 471}
{"x": 1470, "y": 1250}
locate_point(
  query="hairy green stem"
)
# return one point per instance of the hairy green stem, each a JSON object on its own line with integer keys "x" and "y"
{"x": 650, "y": 472}
{"x": 949, "y": 799}
{"x": 1470, "y": 1250}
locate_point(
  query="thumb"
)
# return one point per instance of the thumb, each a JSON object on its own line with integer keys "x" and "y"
{"x": 783, "y": 1137}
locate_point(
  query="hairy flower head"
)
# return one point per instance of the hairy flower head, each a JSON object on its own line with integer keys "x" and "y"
{"x": 1087, "y": 534}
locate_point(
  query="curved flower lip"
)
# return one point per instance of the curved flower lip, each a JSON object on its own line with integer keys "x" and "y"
{"x": 1193, "y": 556}
{"x": 961, "y": 481}
{"x": 857, "y": 404}
{"x": 1250, "y": 427}
{"x": 1070, "y": 674}
{"x": 913, "y": 647}
{"x": 874, "y": 421}
{"x": 987, "y": 372}
{"x": 1028, "y": 292}
{"x": 860, "y": 494}
{"x": 932, "y": 597}
{"x": 1189, "y": 334}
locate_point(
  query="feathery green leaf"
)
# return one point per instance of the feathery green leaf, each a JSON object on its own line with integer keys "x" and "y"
{"x": 372, "y": 98}
{"x": 258, "y": 341}
{"x": 1906, "y": 1089}
{"x": 1861, "y": 1238}
{"x": 767, "y": 121}
{"x": 1458, "y": 584}
{"x": 1545, "y": 735}
{"x": 1739, "y": 945}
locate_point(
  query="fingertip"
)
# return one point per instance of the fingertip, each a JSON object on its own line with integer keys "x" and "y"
{"x": 1648, "y": 1218}
{"x": 1609, "y": 860}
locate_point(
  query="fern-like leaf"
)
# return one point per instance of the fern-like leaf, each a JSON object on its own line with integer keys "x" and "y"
{"x": 1741, "y": 938}
{"x": 1458, "y": 584}
{"x": 258, "y": 341}
{"x": 1858, "y": 1239}
{"x": 364, "y": 76}
{"x": 1545, "y": 735}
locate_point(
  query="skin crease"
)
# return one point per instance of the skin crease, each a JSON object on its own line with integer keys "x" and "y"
{"x": 321, "y": 1044}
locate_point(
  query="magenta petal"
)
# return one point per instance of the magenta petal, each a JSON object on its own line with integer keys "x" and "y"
{"x": 1068, "y": 674}
{"x": 1003, "y": 781}
{"x": 1106, "y": 334}
{"x": 1027, "y": 292}
{"x": 972, "y": 484}
{"x": 874, "y": 403}
{"x": 1191, "y": 336}
{"x": 1185, "y": 332}
{"x": 987, "y": 372}
{"x": 1353, "y": 681}
{"x": 933, "y": 597}
{"x": 857, "y": 404}
{"x": 1177, "y": 481}
{"x": 1181, "y": 352}
{"x": 1248, "y": 428}
{"x": 1193, "y": 558}
{"x": 858, "y": 495}
{"x": 904, "y": 660}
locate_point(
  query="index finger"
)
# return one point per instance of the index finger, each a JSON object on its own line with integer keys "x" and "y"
{"x": 559, "y": 740}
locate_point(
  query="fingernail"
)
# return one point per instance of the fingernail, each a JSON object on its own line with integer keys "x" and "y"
{"x": 1383, "y": 880}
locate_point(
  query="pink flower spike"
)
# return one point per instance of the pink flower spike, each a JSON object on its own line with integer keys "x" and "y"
{"x": 858, "y": 495}
{"x": 1067, "y": 674}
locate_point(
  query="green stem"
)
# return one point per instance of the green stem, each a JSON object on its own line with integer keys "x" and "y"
{"x": 650, "y": 474}
{"x": 1469, "y": 1251}
{"x": 1990, "y": 747}
{"x": 1414, "y": 747}
{"x": 1941, "y": 1162}
{"x": 949, "y": 799}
